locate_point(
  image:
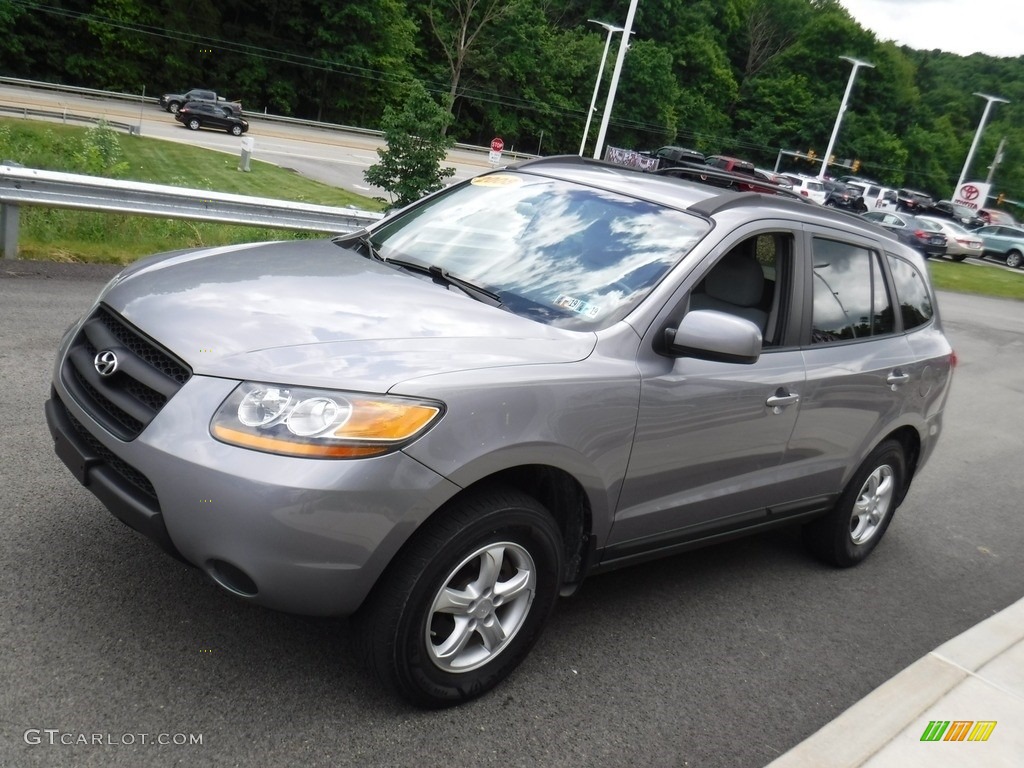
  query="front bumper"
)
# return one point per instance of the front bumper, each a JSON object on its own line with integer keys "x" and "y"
{"x": 307, "y": 536}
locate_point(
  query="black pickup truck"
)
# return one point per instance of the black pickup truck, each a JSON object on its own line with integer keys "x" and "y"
{"x": 172, "y": 102}
{"x": 672, "y": 157}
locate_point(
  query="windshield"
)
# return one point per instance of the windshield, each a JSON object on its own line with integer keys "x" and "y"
{"x": 558, "y": 252}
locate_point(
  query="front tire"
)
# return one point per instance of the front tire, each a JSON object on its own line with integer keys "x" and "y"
{"x": 235, "y": 130}
{"x": 463, "y": 603}
{"x": 173, "y": 107}
{"x": 848, "y": 534}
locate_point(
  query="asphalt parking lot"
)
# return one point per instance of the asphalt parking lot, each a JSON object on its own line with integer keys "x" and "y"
{"x": 114, "y": 654}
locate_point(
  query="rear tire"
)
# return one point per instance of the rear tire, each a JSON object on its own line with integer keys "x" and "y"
{"x": 959, "y": 257}
{"x": 462, "y": 604}
{"x": 194, "y": 124}
{"x": 848, "y": 534}
{"x": 1014, "y": 259}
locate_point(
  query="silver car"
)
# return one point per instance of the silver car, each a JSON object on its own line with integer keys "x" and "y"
{"x": 440, "y": 425}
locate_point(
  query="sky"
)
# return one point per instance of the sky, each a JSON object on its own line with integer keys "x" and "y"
{"x": 995, "y": 27}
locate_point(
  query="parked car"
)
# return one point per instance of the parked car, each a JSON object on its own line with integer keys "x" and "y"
{"x": 810, "y": 187}
{"x": 196, "y": 115}
{"x": 960, "y": 241}
{"x": 1003, "y": 242}
{"x": 862, "y": 180}
{"x": 440, "y": 424}
{"x": 839, "y": 195}
{"x": 738, "y": 182}
{"x": 912, "y": 201}
{"x": 731, "y": 164}
{"x": 995, "y": 216}
{"x": 669, "y": 157}
{"x": 923, "y": 235}
{"x": 947, "y": 209}
{"x": 876, "y": 197}
{"x": 773, "y": 178}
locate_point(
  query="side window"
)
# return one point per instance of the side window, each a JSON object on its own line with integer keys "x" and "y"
{"x": 751, "y": 281}
{"x": 850, "y": 296}
{"x": 911, "y": 293}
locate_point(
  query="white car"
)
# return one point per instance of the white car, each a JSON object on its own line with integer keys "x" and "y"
{"x": 960, "y": 241}
{"x": 876, "y": 197}
{"x": 809, "y": 187}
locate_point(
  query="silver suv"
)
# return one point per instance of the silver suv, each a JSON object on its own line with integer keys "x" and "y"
{"x": 441, "y": 424}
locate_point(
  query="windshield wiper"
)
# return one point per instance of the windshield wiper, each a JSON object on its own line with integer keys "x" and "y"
{"x": 440, "y": 274}
{"x": 360, "y": 237}
{"x": 443, "y": 276}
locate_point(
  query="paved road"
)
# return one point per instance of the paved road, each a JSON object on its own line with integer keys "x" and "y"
{"x": 724, "y": 657}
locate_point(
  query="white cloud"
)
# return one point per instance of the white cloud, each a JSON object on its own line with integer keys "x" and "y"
{"x": 994, "y": 27}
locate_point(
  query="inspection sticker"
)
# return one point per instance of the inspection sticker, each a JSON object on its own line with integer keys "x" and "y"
{"x": 578, "y": 306}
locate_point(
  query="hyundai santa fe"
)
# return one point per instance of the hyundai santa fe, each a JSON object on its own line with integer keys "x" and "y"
{"x": 440, "y": 424}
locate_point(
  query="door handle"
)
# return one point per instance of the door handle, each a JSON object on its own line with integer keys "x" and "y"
{"x": 896, "y": 379}
{"x": 781, "y": 399}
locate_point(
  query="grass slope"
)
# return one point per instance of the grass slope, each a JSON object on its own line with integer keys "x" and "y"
{"x": 67, "y": 235}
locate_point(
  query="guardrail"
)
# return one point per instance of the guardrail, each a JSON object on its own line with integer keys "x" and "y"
{"x": 27, "y": 186}
{"x": 66, "y": 116}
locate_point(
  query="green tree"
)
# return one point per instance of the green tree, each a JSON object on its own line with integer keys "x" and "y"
{"x": 646, "y": 102}
{"x": 458, "y": 26}
{"x": 365, "y": 52}
{"x": 410, "y": 165}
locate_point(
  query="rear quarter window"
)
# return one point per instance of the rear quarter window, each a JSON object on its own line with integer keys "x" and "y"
{"x": 912, "y": 294}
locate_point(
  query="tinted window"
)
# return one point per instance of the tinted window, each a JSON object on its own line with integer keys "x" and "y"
{"x": 911, "y": 293}
{"x": 850, "y": 297}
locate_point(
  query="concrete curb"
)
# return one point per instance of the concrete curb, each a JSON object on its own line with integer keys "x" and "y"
{"x": 980, "y": 673}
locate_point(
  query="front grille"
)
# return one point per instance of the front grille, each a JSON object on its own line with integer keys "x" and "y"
{"x": 146, "y": 377}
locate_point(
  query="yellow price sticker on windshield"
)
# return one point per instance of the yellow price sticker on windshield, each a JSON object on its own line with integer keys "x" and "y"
{"x": 497, "y": 180}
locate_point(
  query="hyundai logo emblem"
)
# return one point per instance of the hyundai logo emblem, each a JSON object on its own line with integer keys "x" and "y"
{"x": 105, "y": 363}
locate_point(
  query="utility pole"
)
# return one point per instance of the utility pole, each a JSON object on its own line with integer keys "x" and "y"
{"x": 996, "y": 161}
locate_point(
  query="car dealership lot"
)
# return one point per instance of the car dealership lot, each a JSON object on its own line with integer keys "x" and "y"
{"x": 723, "y": 657}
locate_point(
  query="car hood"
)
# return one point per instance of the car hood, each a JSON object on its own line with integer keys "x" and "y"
{"x": 315, "y": 313}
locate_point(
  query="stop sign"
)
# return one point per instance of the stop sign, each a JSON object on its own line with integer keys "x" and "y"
{"x": 497, "y": 144}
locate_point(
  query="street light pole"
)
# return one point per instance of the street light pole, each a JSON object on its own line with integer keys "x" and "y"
{"x": 857, "y": 64}
{"x": 600, "y": 72}
{"x": 623, "y": 46}
{"x": 977, "y": 137}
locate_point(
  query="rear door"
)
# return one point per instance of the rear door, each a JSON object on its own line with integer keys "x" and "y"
{"x": 860, "y": 367}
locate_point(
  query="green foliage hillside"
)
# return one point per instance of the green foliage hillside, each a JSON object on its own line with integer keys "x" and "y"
{"x": 744, "y": 77}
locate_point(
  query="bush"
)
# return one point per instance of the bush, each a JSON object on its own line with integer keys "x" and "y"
{"x": 410, "y": 166}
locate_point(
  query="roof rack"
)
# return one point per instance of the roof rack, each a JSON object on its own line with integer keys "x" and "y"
{"x": 736, "y": 182}
{"x": 568, "y": 160}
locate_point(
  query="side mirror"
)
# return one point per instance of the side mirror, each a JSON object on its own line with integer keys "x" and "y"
{"x": 707, "y": 334}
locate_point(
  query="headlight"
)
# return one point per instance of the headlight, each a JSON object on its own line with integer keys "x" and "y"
{"x": 319, "y": 423}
